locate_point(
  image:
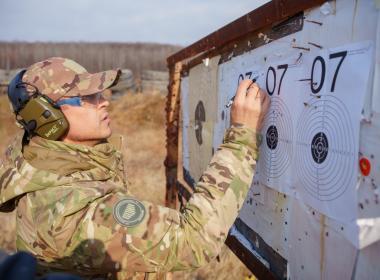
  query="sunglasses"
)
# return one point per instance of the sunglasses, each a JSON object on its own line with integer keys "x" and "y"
{"x": 92, "y": 99}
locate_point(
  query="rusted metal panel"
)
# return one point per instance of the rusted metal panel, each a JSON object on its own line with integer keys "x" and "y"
{"x": 249, "y": 42}
{"x": 172, "y": 130}
{"x": 272, "y": 12}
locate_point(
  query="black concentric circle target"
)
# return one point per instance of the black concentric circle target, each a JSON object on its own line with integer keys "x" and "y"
{"x": 325, "y": 148}
{"x": 319, "y": 147}
{"x": 272, "y": 137}
{"x": 276, "y": 150}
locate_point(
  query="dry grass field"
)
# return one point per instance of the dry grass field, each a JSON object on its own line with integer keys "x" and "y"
{"x": 141, "y": 118}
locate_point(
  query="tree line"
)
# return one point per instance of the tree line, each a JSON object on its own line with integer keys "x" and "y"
{"x": 94, "y": 57}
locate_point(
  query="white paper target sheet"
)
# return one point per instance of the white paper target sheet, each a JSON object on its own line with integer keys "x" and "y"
{"x": 311, "y": 132}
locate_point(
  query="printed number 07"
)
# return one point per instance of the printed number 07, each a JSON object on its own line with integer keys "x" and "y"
{"x": 320, "y": 59}
{"x": 283, "y": 67}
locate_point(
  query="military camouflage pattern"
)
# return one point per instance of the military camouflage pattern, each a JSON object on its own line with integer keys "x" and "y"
{"x": 67, "y": 196}
{"x": 57, "y": 77}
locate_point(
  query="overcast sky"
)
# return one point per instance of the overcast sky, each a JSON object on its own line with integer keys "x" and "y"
{"x": 178, "y": 22}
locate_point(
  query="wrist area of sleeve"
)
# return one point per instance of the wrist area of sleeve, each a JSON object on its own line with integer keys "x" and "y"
{"x": 243, "y": 135}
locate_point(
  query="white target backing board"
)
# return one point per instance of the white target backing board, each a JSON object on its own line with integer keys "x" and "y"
{"x": 311, "y": 132}
{"x": 199, "y": 96}
{"x": 315, "y": 196}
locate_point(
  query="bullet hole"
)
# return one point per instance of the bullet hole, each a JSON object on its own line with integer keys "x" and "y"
{"x": 286, "y": 222}
{"x": 285, "y": 239}
{"x": 250, "y": 200}
{"x": 223, "y": 115}
{"x": 361, "y": 205}
{"x": 265, "y": 58}
{"x": 281, "y": 210}
{"x": 253, "y": 212}
{"x": 270, "y": 223}
{"x": 306, "y": 233}
{"x": 372, "y": 156}
{"x": 341, "y": 228}
{"x": 287, "y": 209}
{"x": 256, "y": 203}
{"x": 299, "y": 239}
{"x": 366, "y": 201}
{"x": 302, "y": 267}
{"x": 327, "y": 233}
{"x": 313, "y": 213}
{"x": 284, "y": 195}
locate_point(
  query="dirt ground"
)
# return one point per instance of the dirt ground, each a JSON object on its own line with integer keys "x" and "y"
{"x": 141, "y": 118}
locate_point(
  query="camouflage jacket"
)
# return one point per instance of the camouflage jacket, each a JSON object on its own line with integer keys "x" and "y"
{"x": 75, "y": 215}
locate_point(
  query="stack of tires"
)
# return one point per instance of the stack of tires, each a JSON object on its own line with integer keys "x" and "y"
{"x": 126, "y": 83}
{"x": 155, "y": 82}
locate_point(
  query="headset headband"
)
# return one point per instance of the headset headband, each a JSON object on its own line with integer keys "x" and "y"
{"x": 17, "y": 92}
{"x": 37, "y": 113}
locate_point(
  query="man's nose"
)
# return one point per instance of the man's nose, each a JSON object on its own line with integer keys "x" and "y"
{"x": 103, "y": 102}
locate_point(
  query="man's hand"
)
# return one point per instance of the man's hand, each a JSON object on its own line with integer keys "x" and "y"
{"x": 250, "y": 106}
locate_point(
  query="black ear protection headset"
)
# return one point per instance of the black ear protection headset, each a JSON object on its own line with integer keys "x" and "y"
{"x": 35, "y": 112}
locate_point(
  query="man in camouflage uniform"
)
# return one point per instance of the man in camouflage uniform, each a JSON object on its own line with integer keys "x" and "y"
{"x": 74, "y": 212}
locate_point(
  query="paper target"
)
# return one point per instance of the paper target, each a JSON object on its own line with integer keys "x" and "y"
{"x": 325, "y": 148}
{"x": 276, "y": 149}
{"x": 200, "y": 118}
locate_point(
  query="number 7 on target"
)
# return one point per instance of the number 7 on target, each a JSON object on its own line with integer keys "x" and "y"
{"x": 284, "y": 68}
{"x": 316, "y": 87}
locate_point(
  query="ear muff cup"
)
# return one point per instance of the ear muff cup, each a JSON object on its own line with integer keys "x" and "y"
{"x": 35, "y": 112}
{"x": 44, "y": 118}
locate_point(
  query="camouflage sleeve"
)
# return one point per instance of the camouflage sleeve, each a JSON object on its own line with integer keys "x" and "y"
{"x": 116, "y": 232}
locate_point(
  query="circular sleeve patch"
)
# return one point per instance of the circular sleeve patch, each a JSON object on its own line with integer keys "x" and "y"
{"x": 129, "y": 212}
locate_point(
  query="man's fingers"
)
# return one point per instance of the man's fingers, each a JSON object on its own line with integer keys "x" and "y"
{"x": 265, "y": 101}
{"x": 262, "y": 95}
{"x": 252, "y": 93}
{"x": 242, "y": 90}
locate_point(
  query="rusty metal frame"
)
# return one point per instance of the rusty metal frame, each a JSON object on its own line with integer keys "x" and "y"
{"x": 271, "y": 12}
{"x": 172, "y": 130}
{"x": 263, "y": 17}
